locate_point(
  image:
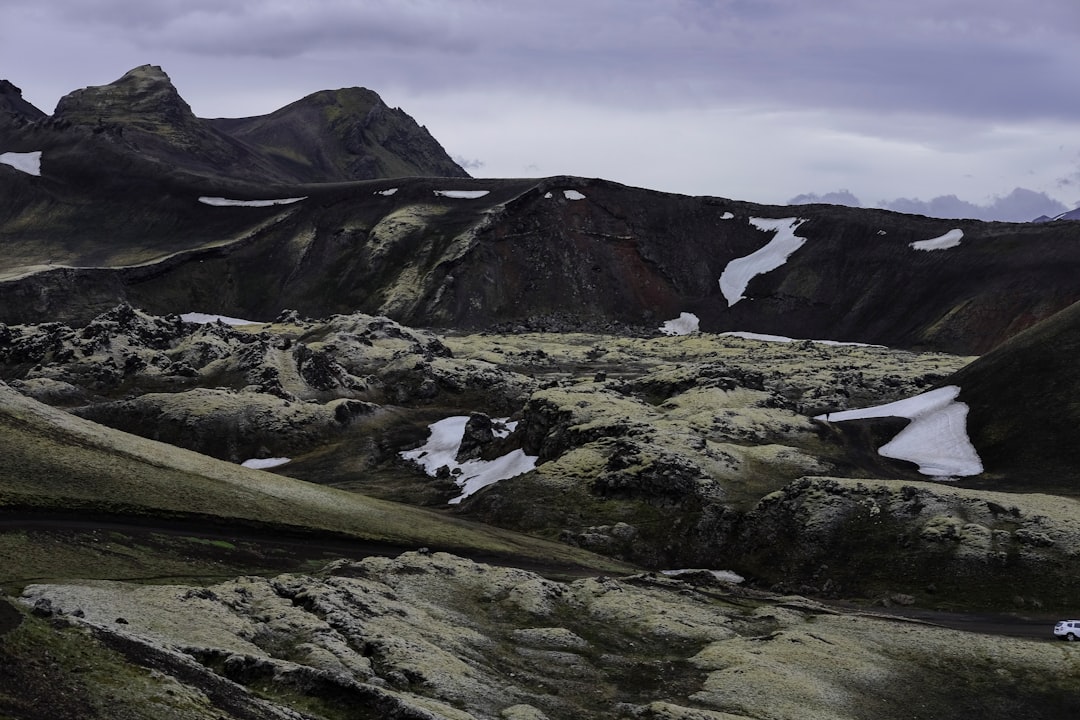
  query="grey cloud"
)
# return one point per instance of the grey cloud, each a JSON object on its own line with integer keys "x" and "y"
{"x": 466, "y": 163}
{"x": 947, "y": 56}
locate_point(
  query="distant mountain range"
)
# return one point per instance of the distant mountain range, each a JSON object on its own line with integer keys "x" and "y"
{"x": 1070, "y": 215}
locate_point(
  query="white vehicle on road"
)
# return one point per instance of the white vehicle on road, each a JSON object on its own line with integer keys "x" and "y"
{"x": 1067, "y": 630}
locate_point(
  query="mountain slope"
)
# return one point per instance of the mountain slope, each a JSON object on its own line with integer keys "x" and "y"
{"x": 1025, "y": 406}
{"x": 347, "y": 134}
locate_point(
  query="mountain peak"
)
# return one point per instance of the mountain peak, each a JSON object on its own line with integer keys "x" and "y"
{"x": 144, "y": 94}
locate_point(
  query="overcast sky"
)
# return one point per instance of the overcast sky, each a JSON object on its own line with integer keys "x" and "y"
{"x": 760, "y": 100}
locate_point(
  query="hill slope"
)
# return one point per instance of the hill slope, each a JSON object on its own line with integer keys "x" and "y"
{"x": 56, "y": 463}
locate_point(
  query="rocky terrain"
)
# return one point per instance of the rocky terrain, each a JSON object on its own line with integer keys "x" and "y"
{"x": 550, "y": 448}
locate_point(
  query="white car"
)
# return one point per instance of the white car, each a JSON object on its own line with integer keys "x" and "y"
{"x": 1067, "y": 630}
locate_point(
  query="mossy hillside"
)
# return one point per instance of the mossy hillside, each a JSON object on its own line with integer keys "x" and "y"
{"x": 54, "y": 671}
{"x": 58, "y": 462}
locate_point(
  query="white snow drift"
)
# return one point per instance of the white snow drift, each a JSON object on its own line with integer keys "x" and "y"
{"x": 685, "y": 324}
{"x": 462, "y": 194}
{"x": 936, "y": 440}
{"x": 739, "y": 272}
{"x": 943, "y": 242}
{"x": 573, "y": 195}
{"x": 27, "y": 162}
{"x": 472, "y": 475}
{"x": 226, "y": 202}
{"x": 264, "y": 463}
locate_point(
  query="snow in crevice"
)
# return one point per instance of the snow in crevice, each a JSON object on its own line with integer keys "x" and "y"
{"x": 442, "y": 447}
{"x": 462, "y": 194}
{"x": 685, "y": 324}
{"x": 727, "y": 216}
{"x": 226, "y": 202}
{"x": 943, "y": 242}
{"x": 27, "y": 162}
{"x": 739, "y": 272}
{"x": 386, "y": 193}
{"x": 204, "y": 318}
{"x": 936, "y": 439}
{"x": 572, "y": 195}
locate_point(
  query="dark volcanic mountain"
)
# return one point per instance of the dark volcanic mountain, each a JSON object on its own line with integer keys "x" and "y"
{"x": 116, "y": 216}
{"x": 140, "y": 127}
{"x": 556, "y": 253}
{"x": 348, "y": 134}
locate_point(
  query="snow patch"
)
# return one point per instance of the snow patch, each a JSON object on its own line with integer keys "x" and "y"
{"x": 203, "y": 319}
{"x": 472, "y": 475}
{"x": 462, "y": 194}
{"x": 739, "y": 272}
{"x": 548, "y": 195}
{"x": 386, "y": 193}
{"x": 572, "y": 195}
{"x": 936, "y": 440}
{"x": 27, "y": 162}
{"x": 722, "y": 575}
{"x": 782, "y": 339}
{"x": 264, "y": 463}
{"x": 226, "y": 202}
{"x": 943, "y": 242}
{"x": 685, "y": 324}
{"x": 727, "y": 216}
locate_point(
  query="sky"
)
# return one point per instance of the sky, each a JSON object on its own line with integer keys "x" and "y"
{"x": 937, "y": 106}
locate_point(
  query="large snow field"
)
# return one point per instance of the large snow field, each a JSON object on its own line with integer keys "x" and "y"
{"x": 442, "y": 449}
{"x": 740, "y": 271}
{"x": 27, "y": 162}
{"x": 936, "y": 440}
